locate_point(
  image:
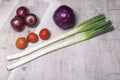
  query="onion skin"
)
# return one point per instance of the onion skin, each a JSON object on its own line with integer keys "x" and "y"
{"x": 30, "y": 20}
{"x": 17, "y": 23}
{"x": 64, "y": 17}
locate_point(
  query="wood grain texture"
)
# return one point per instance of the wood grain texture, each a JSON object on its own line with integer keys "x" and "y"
{"x": 94, "y": 59}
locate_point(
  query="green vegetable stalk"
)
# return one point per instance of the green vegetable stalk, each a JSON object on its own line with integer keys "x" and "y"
{"x": 90, "y": 28}
{"x": 87, "y": 25}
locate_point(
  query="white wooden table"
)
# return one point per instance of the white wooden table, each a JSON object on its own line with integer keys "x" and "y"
{"x": 94, "y": 59}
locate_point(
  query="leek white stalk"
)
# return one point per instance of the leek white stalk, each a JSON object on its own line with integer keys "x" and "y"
{"x": 11, "y": 57}
{"x": 86, "y": 35}
{"x": 89, "y": 24}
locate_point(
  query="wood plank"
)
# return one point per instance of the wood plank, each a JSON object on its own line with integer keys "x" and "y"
{"x": 95, "y": 59}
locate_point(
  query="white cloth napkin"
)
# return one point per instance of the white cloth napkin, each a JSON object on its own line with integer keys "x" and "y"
{"x": 46, "y": 20}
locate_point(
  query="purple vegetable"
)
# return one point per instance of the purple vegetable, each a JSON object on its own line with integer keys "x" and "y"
{"x": 22, "y": 11}
{"x": 30, "y": 20}
{"x": 64, "y": 17}
{"x": 17, "y": 23}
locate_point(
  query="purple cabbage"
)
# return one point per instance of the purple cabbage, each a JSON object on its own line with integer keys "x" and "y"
{"x": 64, "y": 17}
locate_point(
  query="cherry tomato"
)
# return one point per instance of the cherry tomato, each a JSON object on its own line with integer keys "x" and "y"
{"x": 44, "y": 34}
{"x": 21, "y": 43}
{"x": 32, "y": 37}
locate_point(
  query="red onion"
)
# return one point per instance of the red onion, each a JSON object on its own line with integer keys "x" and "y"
{"x": 30, "y": 20}
{"x": 17, "y": 23}
{"x": 22, "y": 11}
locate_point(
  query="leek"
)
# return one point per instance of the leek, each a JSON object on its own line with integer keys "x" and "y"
{"x": 87, "y": 25}
{"x": 102, "y": 27}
